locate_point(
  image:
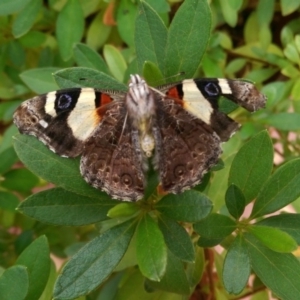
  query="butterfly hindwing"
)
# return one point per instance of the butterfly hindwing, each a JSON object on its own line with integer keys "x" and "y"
{"x": 112, "y": 159}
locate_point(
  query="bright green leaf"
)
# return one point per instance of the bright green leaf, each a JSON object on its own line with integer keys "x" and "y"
{"x": 151, "y": 249}
{"x": 275, "y": 239}
{"x": 289, "y": 6}
{"x": 14, "y": 283}
{"x": 284, "y": 121}
{"x": 36, "y": 258}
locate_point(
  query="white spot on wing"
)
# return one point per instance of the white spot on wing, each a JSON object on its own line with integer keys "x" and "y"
{"x": 50, "y": 102}
{"x": 225, "y": 88}
{"x": 82, "y": 118}
{"x": 43, "y": 123}
{"x": 195, "y": 102}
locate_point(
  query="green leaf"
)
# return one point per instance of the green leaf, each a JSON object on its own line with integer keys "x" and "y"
{"x": 289, "y": 6}
{"x": 20, "y": 180}
{"x": 94, "y": 39}
{"x": 284, "y": 121}
{"x": 115, "y": 61}
{"x": 209, "y": 242}
{"x": 152, "y": 74}
{"x": 215, "y": 226}
{"x": 126, "y": 16}
{"x": 63, "y": 172}
{"x": 290, "y": 223}
{"x": 40, "y": 80}
{"x": 150, "y": 37}
{"x": 191, "y": 206}
{"x": 252, "y": 165}
{"x": 292, "y": 53}
{"x": 195, "y": 270}
{"x": 7, "y": 157}
{"x": 177, "y": 239}
{"x": 8, "y": 7}
{"x": 280, "y": 272}
{"x": 187, "y": 40}
{"x": 280, "y": 190}
{"x": 236, "y": 270}
{"x": 174, "y": 280}
{"x": 26, "y": 18}
{"x": 14, "y": 283}
{"x": 123, "y": 210}
{"x": 36, "y": 258}
{"x": 235, "y": 201}
{"x": 229, "y": 12}
{"x": 89, "y": 58}
{"x": 94, "y": 262}
{"x": 72, "y": 77}
{"x": 274, "y": 238}
{"x": 60, "y": 207}
{"x": 8, "y": 201}
{"x": 69, "y": 28}
{"x": 151, "y": 249}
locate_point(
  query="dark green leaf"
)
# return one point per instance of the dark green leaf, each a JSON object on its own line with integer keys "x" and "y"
{"x": 26, "y": 18}
{"x": 151, "y": 249}
{"x": 280, "y": 190}
{"x": 40, "y": 80}
{"x": 174, "y": 280}
{"x": 177, "y": 239}
{"x": 94, "y": 262}
{"x": 215, "y": 226}
{"x": 21, "y": 180}
{"x": 150, "y": 37}
{"x": 187, "y": 40}
{"x": 36, "y": 258}
{"x": 252, "y": 165}
{"x": 7, "y": 157}
{"x": 69, "y": 28}
{"x": 60, "y": 171}
{"x": 159, "y": 6}
{"x": 236, "y": 270}
{"x": 274, "y": 238}
{"x": 289, "y": 223}
{"x": 278, "y": 271}
{"x": 60, "y": 207}
{"x": 284, "y": 121}
{"x": 191, "y": 206}
{"x": 72, "y": 77}
{"x": 89, "y": 58}
{"x": 14, "y": 283}
{"x": 235, "y": 201}
{"x": 152, "y": 74}
{"x": 126, "y": 15}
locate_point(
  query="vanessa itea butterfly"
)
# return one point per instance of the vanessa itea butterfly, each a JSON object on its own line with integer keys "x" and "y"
{"x": 179, "y": 125}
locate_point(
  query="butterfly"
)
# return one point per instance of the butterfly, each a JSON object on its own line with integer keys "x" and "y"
{"x": 177, "y": 126}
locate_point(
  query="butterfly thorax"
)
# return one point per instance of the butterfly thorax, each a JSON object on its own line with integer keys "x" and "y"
{"x": 141, "y": 110}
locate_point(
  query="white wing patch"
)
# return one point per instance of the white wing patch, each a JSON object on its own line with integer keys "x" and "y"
{"x": 225, "y": 88}
{"x": 82, "y": 119}
{"x": 195, "y": 102}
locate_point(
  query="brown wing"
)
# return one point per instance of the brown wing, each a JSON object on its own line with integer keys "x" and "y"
{"x": 112, "y": 159}
{"x": 186, "y": 147}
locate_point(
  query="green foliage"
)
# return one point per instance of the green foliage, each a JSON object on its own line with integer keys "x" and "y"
{"x": 152, "y": 249}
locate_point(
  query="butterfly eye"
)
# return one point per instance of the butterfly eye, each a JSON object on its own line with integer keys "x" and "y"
{"x": 64, "y": 101}
{"x": 212, "y": 89}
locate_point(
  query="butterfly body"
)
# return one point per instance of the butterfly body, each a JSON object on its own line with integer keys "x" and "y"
{"x": 177, "y": 125}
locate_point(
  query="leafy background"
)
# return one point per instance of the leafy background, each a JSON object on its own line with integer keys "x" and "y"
{"x": 171, "y": 241}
